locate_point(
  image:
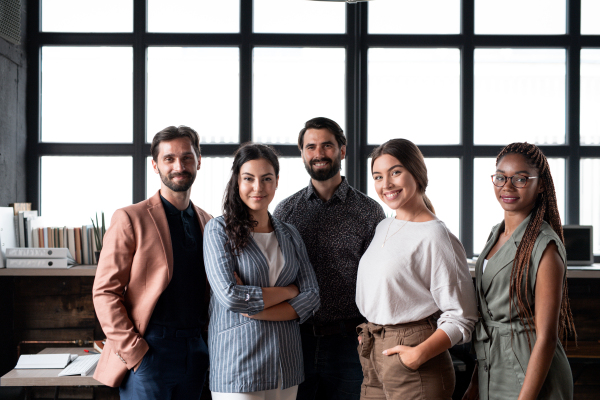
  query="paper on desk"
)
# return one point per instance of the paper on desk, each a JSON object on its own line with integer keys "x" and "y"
{"x": 29, "y": 361}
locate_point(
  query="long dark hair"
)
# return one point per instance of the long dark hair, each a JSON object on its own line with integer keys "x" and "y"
{"x": 411, "y": 159}
{"x": 238, "y": 220}
{"x": 545, "y": 209}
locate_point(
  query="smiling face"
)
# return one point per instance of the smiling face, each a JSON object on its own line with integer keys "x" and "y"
{"x": 395, "y": 186}
{"x": 257, "y": 183}
{"x": 321, "y": 154}
{"x": 511, "y": 198}
{"x": 176, "y": 164}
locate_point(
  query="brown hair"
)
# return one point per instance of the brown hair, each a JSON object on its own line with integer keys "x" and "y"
{"x": 322, "y": 123}
{"x": 238, "y": 220}
{"x": 545, "y": 209}
{"x": 172, "y": 133}
{"x": 411, "y": 158}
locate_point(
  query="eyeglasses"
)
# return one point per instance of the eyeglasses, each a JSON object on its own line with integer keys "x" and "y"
{"x": 518, "y": 181}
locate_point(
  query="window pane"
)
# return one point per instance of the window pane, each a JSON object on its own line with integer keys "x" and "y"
{"x": 589, "y": 197}
{"x": 106, "y": 191}
{"x": 529, "y": 17}
{"x": 87, "y": 94}
{"x": 488, "y": 211}
{"x": 87, "y": 16}
{"x": 414, "y": 94}
{"x": 193, "y": 86}
{"x": 214, "y": 175}
{"x": 409, "y": 16}
{"x": 293, "y": 85}
{"x": 590, "y": 96}
{"x": 299, "y": 16}
{"x": 441, "y": 190}
{"x": 519, "y": 96}
{"x": 193, "y": 16}
{"x": 590, "y": 13}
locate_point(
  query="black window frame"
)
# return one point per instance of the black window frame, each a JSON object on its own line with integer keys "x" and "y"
{"x": 356, "y": 41}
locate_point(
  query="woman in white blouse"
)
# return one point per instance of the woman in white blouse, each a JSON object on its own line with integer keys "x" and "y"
{"x": 413, "y": 287}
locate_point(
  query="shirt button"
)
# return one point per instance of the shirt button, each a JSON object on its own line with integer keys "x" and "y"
{"x": 485, "y": 368}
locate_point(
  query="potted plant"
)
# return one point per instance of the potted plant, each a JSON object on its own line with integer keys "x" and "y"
{"x": 99, "y": 231}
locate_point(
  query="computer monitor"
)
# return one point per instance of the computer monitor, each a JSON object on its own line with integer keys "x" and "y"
{"x": 579, "y": 244}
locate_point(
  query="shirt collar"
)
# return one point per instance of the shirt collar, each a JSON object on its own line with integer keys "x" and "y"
{"x": 170, "y": 209}
{"x": 341, "y": 192}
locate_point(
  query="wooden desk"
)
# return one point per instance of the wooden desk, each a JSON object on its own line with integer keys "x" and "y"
{"x": 49, "y": 377}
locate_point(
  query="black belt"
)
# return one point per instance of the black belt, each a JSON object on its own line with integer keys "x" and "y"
{"x": 332, "y": 328}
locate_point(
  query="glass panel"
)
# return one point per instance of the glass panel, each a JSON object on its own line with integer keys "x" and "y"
{"x": 299, "y": 16}
{"x": 87, "y": 94}
{"x": 193, "y": 86}
{"x": 513, "y": 17}
{"x": 414, "y": 94}
{"x": 589, "y": 197}
{"x": 215, "y": 172}
{"x": 590, "y": 96}
{"x": 87, "y": 16}
{"x": 443, "y": 175}
{"x": 590, "y": 13}
{"x": 106, "y": 191}
{"x": 193, "y": 16}
{"x": 293, "y": 85}
{"x": 519, "y": 96}
{"x": 488, "y": 212}
{"x": 409, "y": 16}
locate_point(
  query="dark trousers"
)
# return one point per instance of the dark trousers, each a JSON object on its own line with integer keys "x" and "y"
{"x": 173, "y": 368}
{"x": 331, "y": 366}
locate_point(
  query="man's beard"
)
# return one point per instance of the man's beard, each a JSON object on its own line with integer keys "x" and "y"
{"x": 324, "y": 173}
{"x": 177, "y": 187}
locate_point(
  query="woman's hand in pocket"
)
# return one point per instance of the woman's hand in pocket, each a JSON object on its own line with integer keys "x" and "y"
{"x": 409, "y": 356}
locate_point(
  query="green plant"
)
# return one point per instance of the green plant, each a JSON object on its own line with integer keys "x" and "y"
{"x": 99, "y": 231}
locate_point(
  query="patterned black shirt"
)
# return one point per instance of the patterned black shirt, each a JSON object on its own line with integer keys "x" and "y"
{"x": 336, "y": 234}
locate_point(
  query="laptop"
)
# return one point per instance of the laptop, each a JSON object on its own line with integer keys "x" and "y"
{"x": 579, "y": 245}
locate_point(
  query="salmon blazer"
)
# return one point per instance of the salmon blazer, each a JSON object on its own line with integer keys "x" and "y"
{"x": 247, "y": 355}
{"x": 135, "y": 268}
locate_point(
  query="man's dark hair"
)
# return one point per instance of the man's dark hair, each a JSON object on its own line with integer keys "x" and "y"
{"x": 171, "y": 133}
{"x": 322, "y": 123}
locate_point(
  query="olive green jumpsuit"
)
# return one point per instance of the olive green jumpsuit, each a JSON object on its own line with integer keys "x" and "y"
{"x": 503, "y": 353}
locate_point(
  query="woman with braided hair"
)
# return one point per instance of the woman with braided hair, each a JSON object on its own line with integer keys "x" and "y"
{"x": 521, "y": 287}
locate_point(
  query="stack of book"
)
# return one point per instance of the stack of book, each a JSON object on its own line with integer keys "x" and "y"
{"x": 25, "y": 229}
{"x": 54, "y": 257}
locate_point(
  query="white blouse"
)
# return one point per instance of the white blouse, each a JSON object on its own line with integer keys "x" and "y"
{"x": 268, "y": 244}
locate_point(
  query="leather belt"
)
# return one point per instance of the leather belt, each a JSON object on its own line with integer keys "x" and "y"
{"x": 332, "y": 328}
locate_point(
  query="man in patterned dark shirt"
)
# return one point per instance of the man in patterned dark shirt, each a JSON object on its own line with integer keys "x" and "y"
{"x": 337, "y": 223}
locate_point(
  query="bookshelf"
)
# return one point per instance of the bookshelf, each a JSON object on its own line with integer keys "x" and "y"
{"x": 79, "y": 270}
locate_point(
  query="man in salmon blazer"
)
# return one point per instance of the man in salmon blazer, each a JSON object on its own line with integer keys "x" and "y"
{"x": 150, "y": 291}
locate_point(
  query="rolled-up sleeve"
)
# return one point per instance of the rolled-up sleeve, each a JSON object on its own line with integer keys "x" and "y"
{"x": 220, "y": 267}
{"x": 454, "y": 291}
{"x": 308, "y": 301}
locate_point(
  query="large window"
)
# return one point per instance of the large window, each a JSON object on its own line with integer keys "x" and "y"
{"x": 459, "y": 78}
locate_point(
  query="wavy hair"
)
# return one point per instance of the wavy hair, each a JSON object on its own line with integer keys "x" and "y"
{"x": 238, "y": 220}
{"x": 411, "y": 159}
{"x": 545, "y": 209}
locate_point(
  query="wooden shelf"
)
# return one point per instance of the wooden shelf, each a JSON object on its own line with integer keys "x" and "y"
{"x": 79, "y": 270}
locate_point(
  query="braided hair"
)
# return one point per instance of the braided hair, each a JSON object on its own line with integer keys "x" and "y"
{"x": 545, "y": 209}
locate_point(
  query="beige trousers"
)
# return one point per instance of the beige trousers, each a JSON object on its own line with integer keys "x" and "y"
{"x": 387, "y": 378}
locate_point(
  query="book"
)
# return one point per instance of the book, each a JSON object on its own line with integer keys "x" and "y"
{"x": 78, "y": 245}
{"x": 7, "y": 231}
{"x": 28, "y": 217}
{"x": 99, "y": 345}
{"x": 48, "y": 252}
{"x": 38, "y": 263}
{"x": 71, "y": 241}
{"x": 29, "y": 361}
{"x": 85, "y": 258}
{"x": 21, "y": 220}
{"x": 83, "y": 365}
